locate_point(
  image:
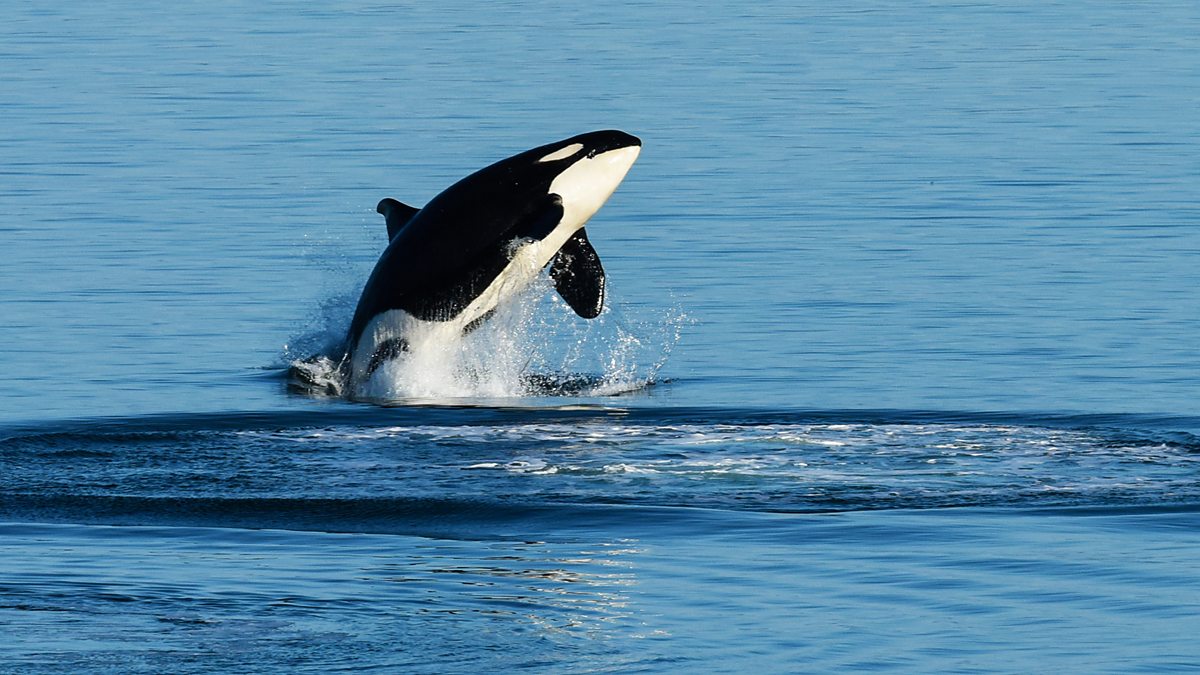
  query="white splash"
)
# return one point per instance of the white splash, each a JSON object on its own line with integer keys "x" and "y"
{"x": 533, "y": 345}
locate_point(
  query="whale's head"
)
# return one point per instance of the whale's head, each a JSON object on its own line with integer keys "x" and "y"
{"x": 582, "y": 172}
{"x": 587, "y": 169}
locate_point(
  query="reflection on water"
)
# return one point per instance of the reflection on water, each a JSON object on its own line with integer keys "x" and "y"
{"x": 1082, "y": 590}
{"x": 583, "y": 593}
{"x": 138, "y": 597}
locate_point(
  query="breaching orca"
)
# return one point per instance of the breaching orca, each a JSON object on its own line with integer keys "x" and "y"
{"x": 447, "y": 265}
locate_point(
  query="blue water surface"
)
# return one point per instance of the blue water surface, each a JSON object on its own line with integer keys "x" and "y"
{"x": 915, "y": 285}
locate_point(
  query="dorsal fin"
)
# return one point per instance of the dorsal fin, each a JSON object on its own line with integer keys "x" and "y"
{"x": 397, "y": 214}
{"x": 578, "y": 276}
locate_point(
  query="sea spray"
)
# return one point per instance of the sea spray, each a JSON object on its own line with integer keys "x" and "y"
{"x": 532, "y": 345}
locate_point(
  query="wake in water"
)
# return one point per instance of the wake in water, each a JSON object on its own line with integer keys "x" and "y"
{"x": 531, "y": 346}
{"x": 457, "y": 471}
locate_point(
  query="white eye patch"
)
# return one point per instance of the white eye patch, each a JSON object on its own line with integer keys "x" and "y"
{"x": 562, "y": 153}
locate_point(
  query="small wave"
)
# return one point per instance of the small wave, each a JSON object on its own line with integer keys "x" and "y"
{"x": 455, "y": 518}
{"x": 449, "y": 518}
{"x": 1122, "y": 429}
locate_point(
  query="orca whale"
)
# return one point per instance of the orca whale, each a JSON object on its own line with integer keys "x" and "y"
{"x": 448, "y": 264}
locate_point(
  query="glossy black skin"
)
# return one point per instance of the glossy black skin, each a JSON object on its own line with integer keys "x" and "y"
{"x": 454, "y": 247}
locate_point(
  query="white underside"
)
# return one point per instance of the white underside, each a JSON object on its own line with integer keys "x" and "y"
{"x": 583, "y": 187}
{"x": 424, "y": 337}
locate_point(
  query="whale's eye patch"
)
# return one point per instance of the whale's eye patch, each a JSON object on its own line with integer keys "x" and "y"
{"x": 562, "y": 153}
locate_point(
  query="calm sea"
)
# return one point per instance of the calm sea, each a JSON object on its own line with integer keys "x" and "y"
{"x": 899, "y": 371}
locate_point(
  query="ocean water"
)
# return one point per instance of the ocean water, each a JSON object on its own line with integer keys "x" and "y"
{"x": 899, "y": 369}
